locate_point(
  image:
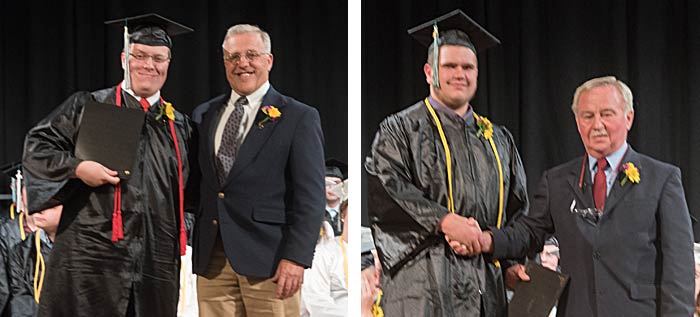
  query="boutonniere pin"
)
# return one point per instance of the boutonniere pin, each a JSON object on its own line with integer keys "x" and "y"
{"x": 167, "y": 110}
{"x": 272, "y": 114}
{"x": 631, "y": 173}
{"x": 485, "y": 127}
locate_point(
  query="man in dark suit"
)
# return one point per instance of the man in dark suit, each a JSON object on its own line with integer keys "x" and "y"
{"x": 620, "y": 216}
{"x": 262, "y": 190}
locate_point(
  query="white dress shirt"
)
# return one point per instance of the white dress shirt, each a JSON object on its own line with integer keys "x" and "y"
{"x": 254, "y": 102}
{"x": 324, "y": 292}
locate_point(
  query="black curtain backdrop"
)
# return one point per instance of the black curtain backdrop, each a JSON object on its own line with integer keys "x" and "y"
{"x": 51, "y": 49}
{"x": 548, "y": 49}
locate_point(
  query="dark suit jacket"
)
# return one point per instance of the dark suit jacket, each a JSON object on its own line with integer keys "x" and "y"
{"x": 636, "y": 260}
{"x": 270, "y": 206}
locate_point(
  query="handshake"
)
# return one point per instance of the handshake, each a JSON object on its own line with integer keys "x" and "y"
{"x": 465, "y": 236}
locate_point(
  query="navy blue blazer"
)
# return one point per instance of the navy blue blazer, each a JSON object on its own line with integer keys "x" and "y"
{"x": 271, "y": 205}
{"x": 636, "y": 260}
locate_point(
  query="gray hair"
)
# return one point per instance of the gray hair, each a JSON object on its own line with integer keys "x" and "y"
{"x": 604, "y": 81}
{"x": 247, "y": 28}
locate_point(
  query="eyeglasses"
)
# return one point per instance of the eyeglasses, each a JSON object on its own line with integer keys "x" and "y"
{"x": 144, "y": 57}
{"x": 235, "y": 58}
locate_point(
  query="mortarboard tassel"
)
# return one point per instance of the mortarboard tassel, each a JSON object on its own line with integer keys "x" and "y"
{"x": 22, "y": 234}
{"x": 127, "y": 75}
{"x": 436, "y": 51}
{"x": 117, "y": 226}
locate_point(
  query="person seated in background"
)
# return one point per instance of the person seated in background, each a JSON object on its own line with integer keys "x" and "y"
{"x": 371, "y": 294}
{"x": 325, "y": 288}
{"x": 12, "y": 232}
{"x": 336, "y": 173}
{"x": 27, "y": 262}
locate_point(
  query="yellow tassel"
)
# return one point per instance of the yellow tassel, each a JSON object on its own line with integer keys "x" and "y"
{"x": 40, "y": 265}
{"x": 12, "y": 211}
{"x": 21, "y": 226}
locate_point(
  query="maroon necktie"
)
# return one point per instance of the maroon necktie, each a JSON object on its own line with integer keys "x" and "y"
{"x": 600, "y": 184}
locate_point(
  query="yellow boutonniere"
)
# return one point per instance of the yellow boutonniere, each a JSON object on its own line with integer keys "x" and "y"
{"x": 167, "y": 110}
{"x": 631, "y": 174}
{"x": 485, "y": 127}
{"x": 272, "y": 114}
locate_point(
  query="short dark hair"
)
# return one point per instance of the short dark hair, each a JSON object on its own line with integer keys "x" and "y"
{"x": 452, "y": 37}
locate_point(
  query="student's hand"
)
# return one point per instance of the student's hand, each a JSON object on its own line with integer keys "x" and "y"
{"x": 463, "y": 234}
{"x": 95, "y": 174}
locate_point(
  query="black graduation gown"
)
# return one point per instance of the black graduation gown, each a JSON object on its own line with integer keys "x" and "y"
{"x": 9, "y": 237}
{"x": 21, "y": 266}
{"x": 90, "y": 275}
{"x": 407, "y": 196}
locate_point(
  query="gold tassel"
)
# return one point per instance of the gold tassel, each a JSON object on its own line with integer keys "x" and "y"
{"x": 12, "y": 211}
{"x": 40, "y": 265}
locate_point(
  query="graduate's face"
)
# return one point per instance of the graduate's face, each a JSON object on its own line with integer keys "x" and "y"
{"x": 602, "y": 121}
{"x": 247, "y": 63}
{"x": 457, "y": 72}
{"x": 48, "y": 219}
{"x": 147, "y": 75}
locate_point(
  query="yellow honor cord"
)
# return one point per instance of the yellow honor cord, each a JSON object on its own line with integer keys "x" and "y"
{"x": 12, "y": 211}
{"x": 21, "y": 226}
{"x": 448, "y": 156}
{"x": 450, "y": 201}
{"x": 345, "y": 261}
{"x": 39, "y": 266}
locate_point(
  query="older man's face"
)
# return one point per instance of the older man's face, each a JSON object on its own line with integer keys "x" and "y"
{"x": 148, "y": 66}
{"x": 247, "y": 63}
{"x": 602, "y": 121}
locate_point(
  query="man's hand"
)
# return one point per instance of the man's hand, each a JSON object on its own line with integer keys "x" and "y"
{"x": 515, "y": 274}
{"x": 95, "y": 174}
{"x": 288, "y": 277}
{"x": 463, "y": 234}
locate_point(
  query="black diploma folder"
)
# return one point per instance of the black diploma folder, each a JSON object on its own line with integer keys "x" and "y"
{"x": 537, "y": 297}
{"x": 110, "y": 136}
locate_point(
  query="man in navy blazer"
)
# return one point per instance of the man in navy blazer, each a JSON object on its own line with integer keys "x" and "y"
{"x": 620, "y": 217}
{"x": 262, "y": 191}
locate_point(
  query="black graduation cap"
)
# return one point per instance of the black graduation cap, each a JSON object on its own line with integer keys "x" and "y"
{"x": 11, "y": 168}
{"x": 454, "y": 28}
{"x": 336, "y": 168}
{"x": 455, "y": 20}
{"x": 148, "y": 29}
{"x": 151, "y": 29}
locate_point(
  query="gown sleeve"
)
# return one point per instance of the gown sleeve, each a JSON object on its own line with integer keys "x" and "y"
{"x": 49, "y": 161}
{"x": 403, "y": 218}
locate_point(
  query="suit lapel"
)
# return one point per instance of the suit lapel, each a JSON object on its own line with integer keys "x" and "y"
{"x": 257, "y": 137}
{"x": 617, "y": 192}
{"x": 583, "y": 193}
{"x": 209, "y": 124}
